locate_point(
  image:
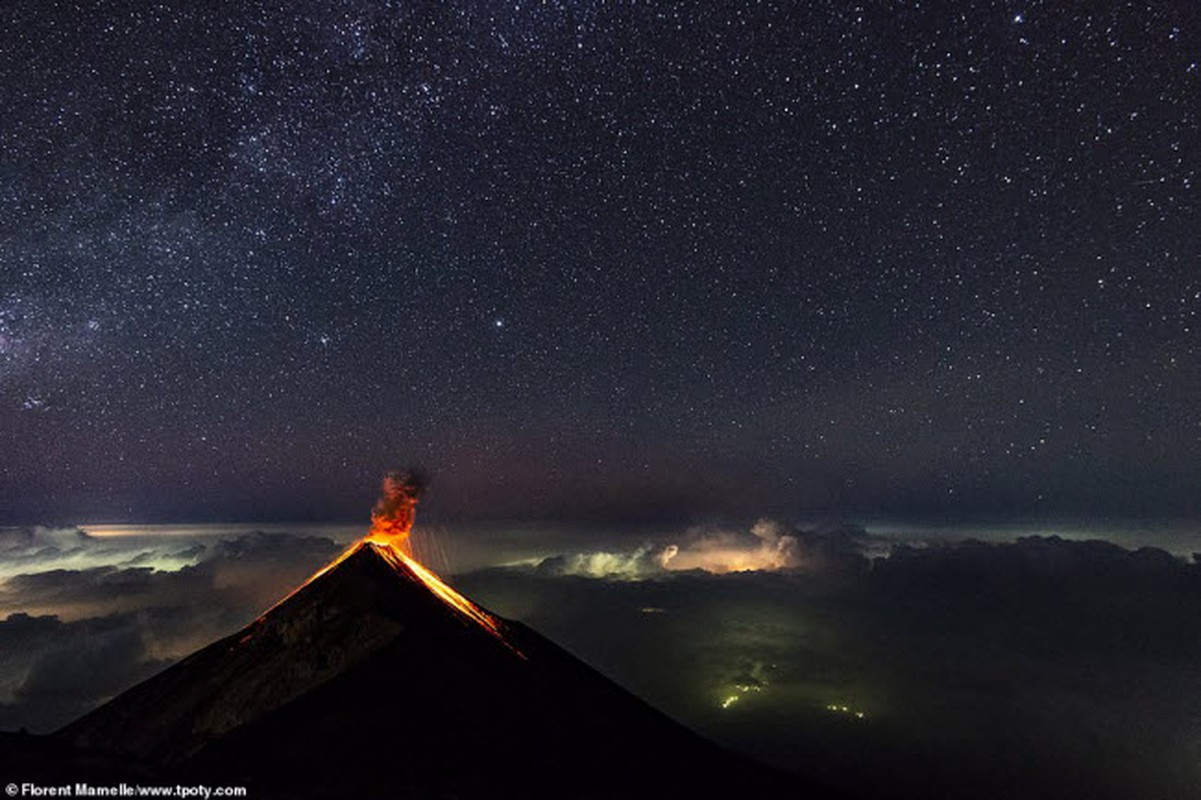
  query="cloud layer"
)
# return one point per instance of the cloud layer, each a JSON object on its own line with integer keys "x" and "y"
{"x": 87, "y": 617}
{"x": 1034, "y": 667}
{"x": 764, "y": 546}
{"x": 1040, "y": 667}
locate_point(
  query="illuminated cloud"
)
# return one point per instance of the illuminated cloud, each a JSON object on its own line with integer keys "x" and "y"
{"x": 642, "y": 562}
{"x": 767, "y": 546}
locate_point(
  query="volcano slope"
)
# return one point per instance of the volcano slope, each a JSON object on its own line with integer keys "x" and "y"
{"x": 374, "y": 679}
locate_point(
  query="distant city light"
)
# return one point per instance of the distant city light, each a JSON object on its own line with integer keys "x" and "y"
{"x": 847, "y": 710}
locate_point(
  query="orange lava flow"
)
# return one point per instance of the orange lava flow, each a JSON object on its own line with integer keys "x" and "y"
{"x": 444, "y": 593}
{"x": 402, "y": 562}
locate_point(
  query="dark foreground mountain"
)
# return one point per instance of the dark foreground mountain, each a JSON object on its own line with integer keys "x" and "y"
{"x": 50, "y": 761}
{"x": 372, "y": 681}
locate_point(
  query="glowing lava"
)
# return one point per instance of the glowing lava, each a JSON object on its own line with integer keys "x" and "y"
{"x": 391, "y": 526}
{"x": 447, "y": 595}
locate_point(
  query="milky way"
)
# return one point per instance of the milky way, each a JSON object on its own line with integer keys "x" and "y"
{"x": 598, "y": 258}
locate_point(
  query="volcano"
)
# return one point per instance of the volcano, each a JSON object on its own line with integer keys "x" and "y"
{"x": 376, "y": 679}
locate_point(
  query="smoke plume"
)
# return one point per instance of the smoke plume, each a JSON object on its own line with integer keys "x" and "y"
{"x": 394, "y": 512}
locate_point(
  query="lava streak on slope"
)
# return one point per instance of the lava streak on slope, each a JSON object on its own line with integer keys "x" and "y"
{"x": 458, "y": 602}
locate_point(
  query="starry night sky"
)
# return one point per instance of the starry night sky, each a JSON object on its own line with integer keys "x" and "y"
{"x": 603, "y": 260}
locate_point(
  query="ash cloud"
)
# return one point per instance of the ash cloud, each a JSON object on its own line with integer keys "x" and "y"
{"x": 399, "y": 492}
{"x": 396, "y": 509}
